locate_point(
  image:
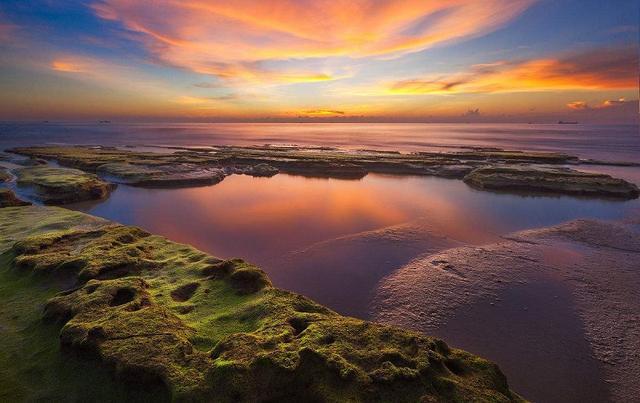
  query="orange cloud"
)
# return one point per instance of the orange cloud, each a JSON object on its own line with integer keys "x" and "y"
{"x": 252, "y": 72}
{"x": 615, "y": 102}
{"x": 232, "y": 39}
{"x": 68, "y": 66}
{"x": 323, "y": 113}
{"x": 594, "y": 69}
{"x": 578, "y": 105}
{"x": 609, "y": 103}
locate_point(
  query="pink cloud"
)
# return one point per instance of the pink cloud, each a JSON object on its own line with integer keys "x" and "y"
{"x": 609, "y": 103}
{"x": 7, "y": 29}
{"x": 231, "y": 38}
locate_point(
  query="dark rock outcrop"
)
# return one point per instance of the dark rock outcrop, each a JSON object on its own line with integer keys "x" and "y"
{"x": 526, "y": 178}
{"x": 9, "y": 199}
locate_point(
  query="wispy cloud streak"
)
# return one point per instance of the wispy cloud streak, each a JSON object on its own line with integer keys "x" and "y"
{"x": 593, "y": 69}
{"x": 231, "y": 39}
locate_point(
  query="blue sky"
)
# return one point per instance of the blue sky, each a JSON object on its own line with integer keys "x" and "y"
{"x": 409, "y": 60}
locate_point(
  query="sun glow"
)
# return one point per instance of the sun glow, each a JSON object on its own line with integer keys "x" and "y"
{"x": 312, "y": 59}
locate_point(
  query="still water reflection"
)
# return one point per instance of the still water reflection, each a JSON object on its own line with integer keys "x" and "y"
{"x": 314, "y": 236}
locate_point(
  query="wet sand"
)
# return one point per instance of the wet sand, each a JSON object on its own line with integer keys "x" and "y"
{"x": 557, "y": 308}
{"x": 536, "y": 335}
{"x": 343, "y": 271}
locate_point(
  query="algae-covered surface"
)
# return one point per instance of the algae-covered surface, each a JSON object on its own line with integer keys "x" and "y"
{"x": 51, "y": 185}
{"x": 550, "y": 180}
{"x": 32, "y": 365}
{"x": 194, "y": 327}
{"x": 192, "y": 166}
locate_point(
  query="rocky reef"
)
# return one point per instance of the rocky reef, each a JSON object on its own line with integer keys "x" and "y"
{"x": 164, "y": 314}
{"x": 525, "y": 178}
{"x": 9, "y": 199}
{"x": 170, "y": 175}
{"x": 488, "y": 169}
{"x": 61, "y": 185}
{"x": 5, "y": 176}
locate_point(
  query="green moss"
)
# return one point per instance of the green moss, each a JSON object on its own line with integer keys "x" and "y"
{"x": 32, "y": 365}
{"x": 158, "y": 312}
{"x": 550, "y": 180}
{"x": 18, "y": 223}
{"x": 62, "y": 185}
{"x": 191, "y": 166}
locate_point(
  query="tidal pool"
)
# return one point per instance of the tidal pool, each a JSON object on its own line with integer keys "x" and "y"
{"x": 336, "y": 241}
{"x": 330, "y": 239}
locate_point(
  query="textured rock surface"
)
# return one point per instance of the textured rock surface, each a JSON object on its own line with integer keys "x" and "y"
{"x": 260, "y": 170}
{"x": 296, "y": 160}
{"x": 9, "y": 199}
{"x": 5, "y": 176}
{"x": 568, "y": 285}
{"x": 62, "y": 185}
{"x": 550, "y": 180}
{"x": 175, "y": 175}
{"x": 491, "y": 169}
{"x": 159, "y": 312}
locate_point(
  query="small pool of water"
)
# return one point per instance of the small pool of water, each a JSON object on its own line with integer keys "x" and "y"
{"x": 277, "y": 222}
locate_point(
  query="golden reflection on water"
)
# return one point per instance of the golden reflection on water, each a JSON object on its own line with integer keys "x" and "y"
{"x": 257, "y": 217}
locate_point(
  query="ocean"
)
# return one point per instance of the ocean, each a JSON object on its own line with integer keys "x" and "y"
{"x": 336, "y": 240}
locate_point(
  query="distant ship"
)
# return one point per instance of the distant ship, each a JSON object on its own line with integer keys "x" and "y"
{"x": 562, "y": 122}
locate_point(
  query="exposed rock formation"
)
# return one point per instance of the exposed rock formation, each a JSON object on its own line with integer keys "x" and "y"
{"x": 61, "y": 185}
{"x": 9, "y": 199}
{"x": 530, "y": 179}
{"x": 487, "y": 169}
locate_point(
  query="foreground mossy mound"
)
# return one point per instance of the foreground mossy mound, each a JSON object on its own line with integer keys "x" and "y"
{"x": 32, "y": 366}
{"x": 160, "y": 313}
{"x": 62, "y": 185}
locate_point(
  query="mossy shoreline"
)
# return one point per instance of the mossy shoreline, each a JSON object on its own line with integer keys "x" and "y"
{"x": 160, "y": 313}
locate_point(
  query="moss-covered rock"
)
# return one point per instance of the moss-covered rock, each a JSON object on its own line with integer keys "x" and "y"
{"x": 172, "y": 175}
{"x": 158, "y": 312}
{"x": 527, "y": 178}
{"x": 269, "y": 160}
{"x": 259, "y": 170}
{"x": 9, "y": 199}
{"x": 5, "y": 176}
{"x": 62, "y": 185}
{"x": 487, "y": 169}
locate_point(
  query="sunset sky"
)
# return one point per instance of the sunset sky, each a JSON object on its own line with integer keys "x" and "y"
{"x": 332, "y": 60}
